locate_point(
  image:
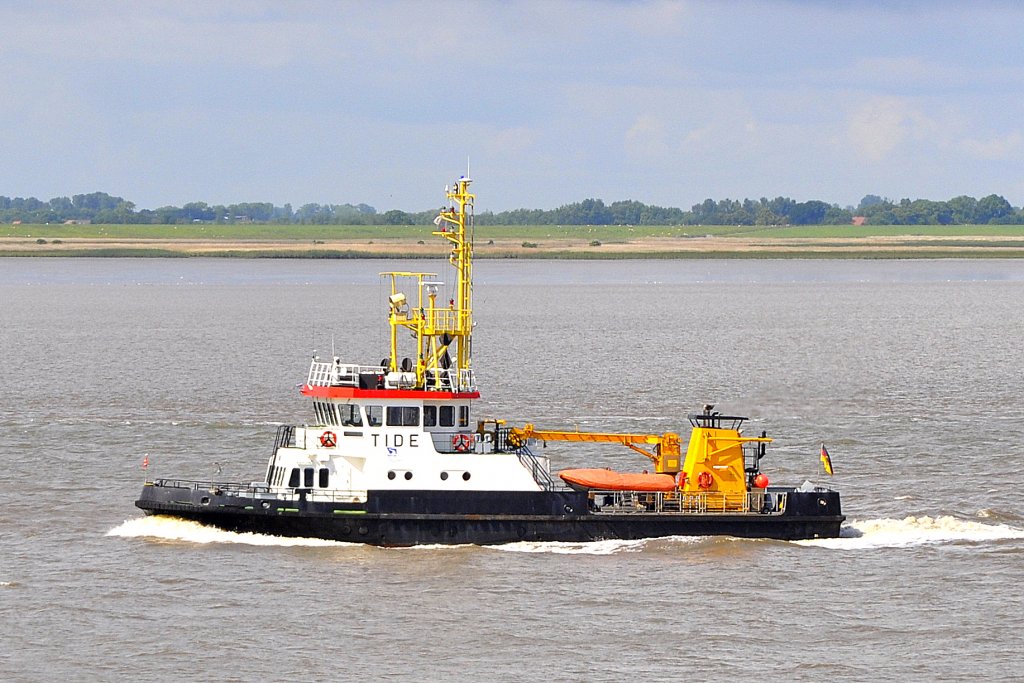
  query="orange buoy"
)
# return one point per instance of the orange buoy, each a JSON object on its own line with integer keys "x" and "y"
{"x": 705, "y": 480}
{"x": 328, "y": 440}
{"x": 761, "y": 481}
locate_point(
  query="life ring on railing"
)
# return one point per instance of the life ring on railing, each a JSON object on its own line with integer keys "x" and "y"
{"x": 462, "y": 442}
{"x": 705, "y": 480}
{"x": 328, "y": 440}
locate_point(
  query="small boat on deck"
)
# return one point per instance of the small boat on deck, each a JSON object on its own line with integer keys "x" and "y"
{"x": 610, "y": 480}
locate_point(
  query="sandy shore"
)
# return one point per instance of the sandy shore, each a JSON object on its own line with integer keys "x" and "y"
{"x": 867, "y": 247}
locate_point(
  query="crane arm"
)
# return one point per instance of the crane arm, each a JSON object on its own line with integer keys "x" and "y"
{"x": 663, "y": 445}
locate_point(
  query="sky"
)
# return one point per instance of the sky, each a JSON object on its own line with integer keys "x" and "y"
{"x": 546, "y": 102}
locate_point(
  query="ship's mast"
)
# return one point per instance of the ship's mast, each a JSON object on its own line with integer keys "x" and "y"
{"x": 440, "y": 327}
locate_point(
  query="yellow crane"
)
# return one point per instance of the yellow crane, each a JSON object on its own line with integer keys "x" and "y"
{"x": 664, "y": 448}
{"x": 714, "y": 460}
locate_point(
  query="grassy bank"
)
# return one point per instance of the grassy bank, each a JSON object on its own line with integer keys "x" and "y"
{"x": 533, "y": 242}
{"x": 603, "y": 233}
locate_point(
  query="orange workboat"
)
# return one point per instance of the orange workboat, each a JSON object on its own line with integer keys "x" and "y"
{"x": 610, "y": 480}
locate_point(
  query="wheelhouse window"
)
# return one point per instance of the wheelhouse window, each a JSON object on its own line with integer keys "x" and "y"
{"x": 463, "y": 416}
{"x": 324, "y": 477}
{"x": 293, "y": 478}
{"x": 403, "y": 416}
{"x": 447, "y": 416}
{"x": 350, "y": 416}
{"x": 307, "y": 477}
{"x": 429, "y": 416}
{"x": 325, "y": 413}
{"x": 374, "y": 416}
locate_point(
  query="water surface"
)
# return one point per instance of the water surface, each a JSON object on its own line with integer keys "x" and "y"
{"x": 910, "y": 371}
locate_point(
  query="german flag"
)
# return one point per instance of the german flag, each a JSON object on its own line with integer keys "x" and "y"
{"x": 826, "y": 461}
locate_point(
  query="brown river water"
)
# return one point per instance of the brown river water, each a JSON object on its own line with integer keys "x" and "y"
{"x": 910, "y": 371}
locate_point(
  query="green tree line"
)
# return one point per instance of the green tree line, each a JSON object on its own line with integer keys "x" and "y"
{"x": 100, "y": 207}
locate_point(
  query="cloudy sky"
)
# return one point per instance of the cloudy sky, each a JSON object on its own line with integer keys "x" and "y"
{"x": 551, "y": 102}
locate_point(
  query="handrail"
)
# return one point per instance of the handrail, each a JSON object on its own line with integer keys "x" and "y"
{"x": 323, "y": 374}
{"x": 224, "y": 487}
{"x": 539, "y": 472}
{"x": 753, "y": 503}
{"x": 262, "y": 490}
{"x": 603, "y": 501}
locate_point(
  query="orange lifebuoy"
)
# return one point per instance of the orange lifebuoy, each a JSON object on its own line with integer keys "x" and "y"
{"x": 328, "y": 440}
{"x": 705, "y": 480}
{"x": 462, "y": 442}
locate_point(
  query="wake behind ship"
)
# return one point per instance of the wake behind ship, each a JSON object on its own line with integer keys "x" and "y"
{"x": 394, "y": 456}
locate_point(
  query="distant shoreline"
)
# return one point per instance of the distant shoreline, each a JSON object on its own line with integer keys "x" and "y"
{"x": 710, "y": 246}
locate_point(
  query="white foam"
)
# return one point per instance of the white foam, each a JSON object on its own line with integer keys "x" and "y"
{"x": 608, "y": 547}
{"x": 855, "y": 535}
{"x": 913, "y": 531}
{"x": 174, "y": 529}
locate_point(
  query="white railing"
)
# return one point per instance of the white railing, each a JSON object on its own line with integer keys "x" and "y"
{"x": 346, "y": 375}
{"x": 337, "y": 374}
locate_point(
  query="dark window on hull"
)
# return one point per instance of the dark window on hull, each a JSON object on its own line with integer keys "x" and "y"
{"x": 403, "y": 416}
{"x": 447, "y": 416}
{"x": 293, "y": 479}
{"x": 374, "y": 416}
{"x": 324, "y": 477}
{"x": 350, "y": 416}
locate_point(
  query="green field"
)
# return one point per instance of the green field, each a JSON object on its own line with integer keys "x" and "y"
{"x": 605, "y": 233}
{"x": 853, "y": 231}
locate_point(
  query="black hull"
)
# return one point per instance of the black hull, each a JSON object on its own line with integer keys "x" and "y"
{"x": 482, "y": 518}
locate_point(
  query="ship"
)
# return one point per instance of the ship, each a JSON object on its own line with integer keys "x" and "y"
{"x": 396, "y": 455}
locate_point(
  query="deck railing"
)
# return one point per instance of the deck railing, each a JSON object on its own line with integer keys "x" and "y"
{"x": 334, "y": 374}
{"x": 758, "y": 502}
{"x": 263, "y": 491}
{"x": 617, "y": 502}
{"x": 323, "y": 374}
{"x": 214, "y": 486}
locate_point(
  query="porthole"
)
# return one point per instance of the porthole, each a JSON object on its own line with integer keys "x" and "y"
{"x": 444, "y": 476}
{"x": 408, "y": 476}
{"x": 205, "y": 500}
{"x": 465, "y": 476}
{"x": 391, "y": 475}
